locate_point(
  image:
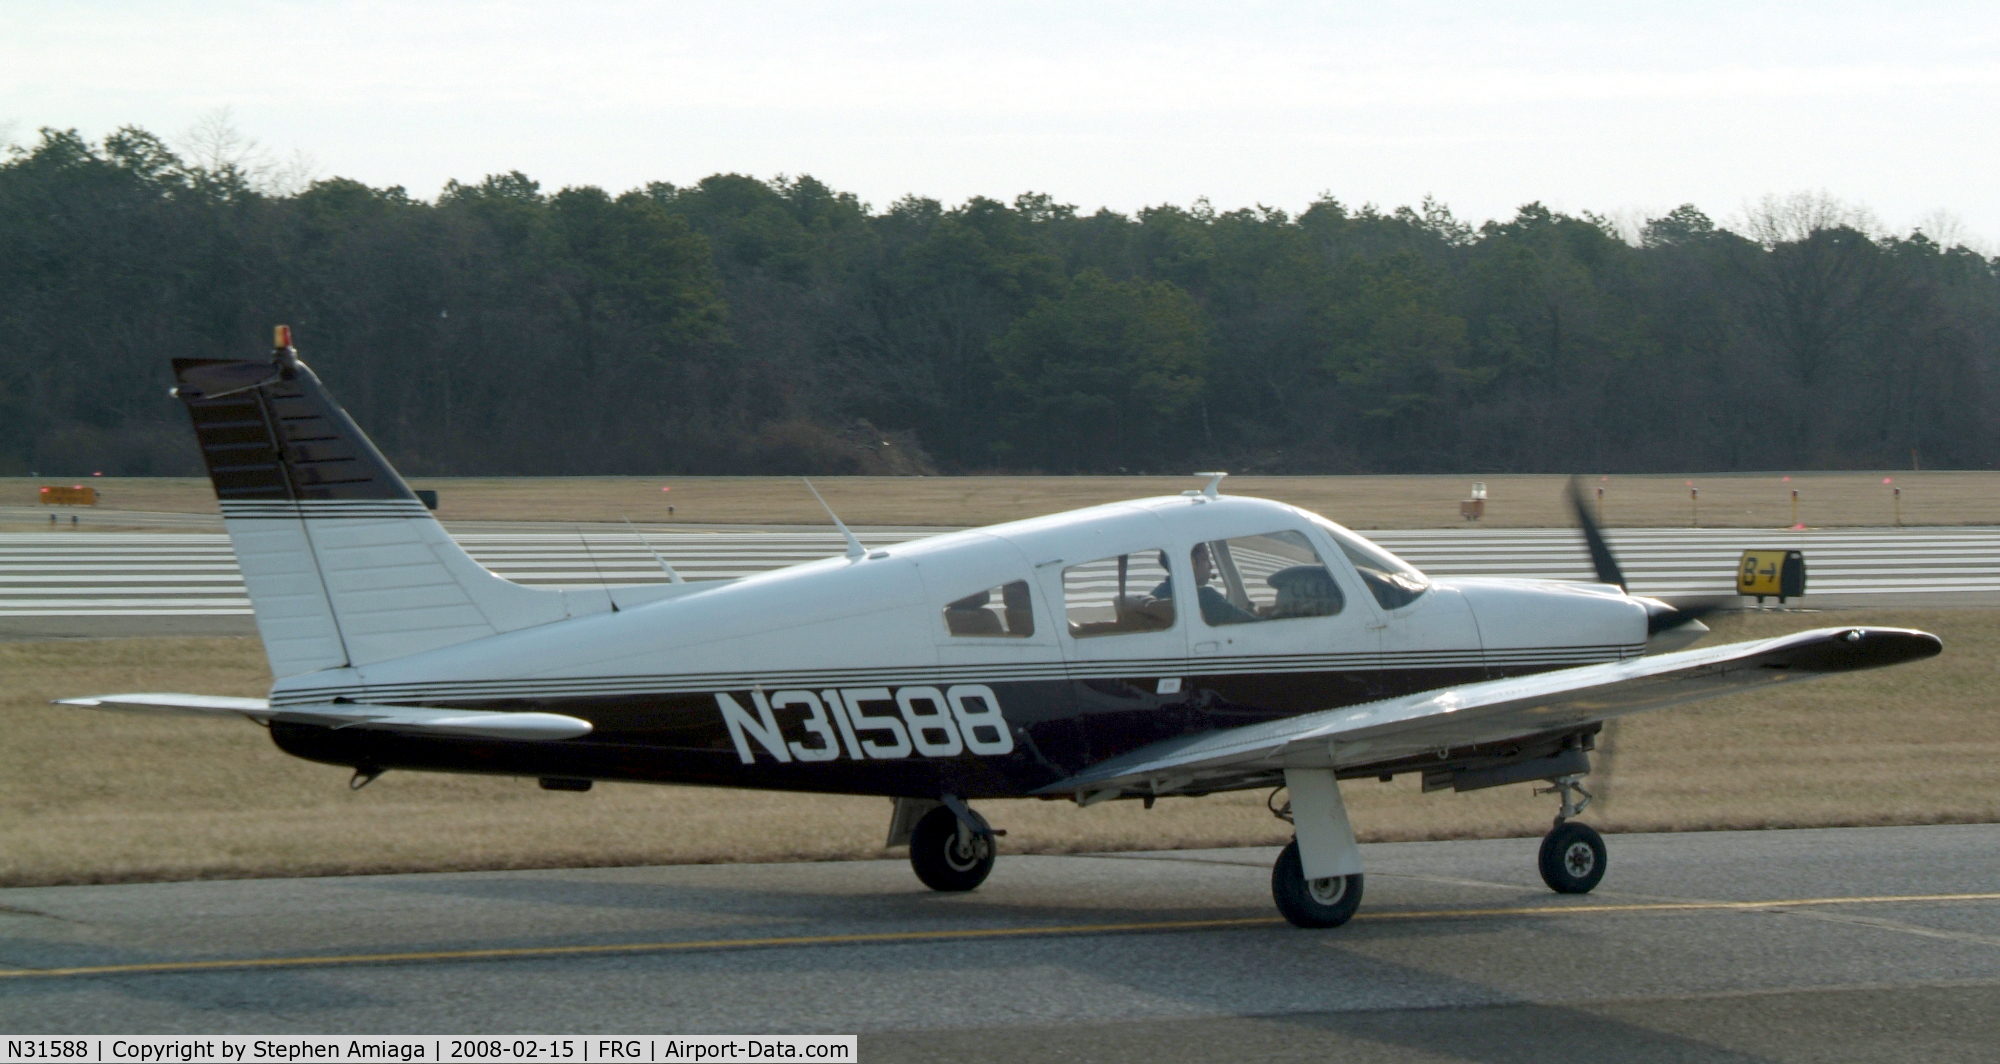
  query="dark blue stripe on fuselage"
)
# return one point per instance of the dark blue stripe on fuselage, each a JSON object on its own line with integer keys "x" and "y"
{"x": 1059, "y": 727}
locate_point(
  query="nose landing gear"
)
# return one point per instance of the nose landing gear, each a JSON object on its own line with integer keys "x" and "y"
{"x": 1572, "y": 858}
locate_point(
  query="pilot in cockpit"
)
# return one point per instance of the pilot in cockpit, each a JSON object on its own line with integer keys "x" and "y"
{"x": 1216, "y": 608}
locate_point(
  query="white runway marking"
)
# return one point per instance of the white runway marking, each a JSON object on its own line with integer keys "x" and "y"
{"x": 154, "y": 574}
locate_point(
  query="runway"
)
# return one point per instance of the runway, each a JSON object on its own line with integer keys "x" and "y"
{"x": 1863, "y": 944}
{"x": 167, "y": 581}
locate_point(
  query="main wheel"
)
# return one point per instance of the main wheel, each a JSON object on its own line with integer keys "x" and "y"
{"x": 944, "y": 861}
{"x": 1572, "y": 858}
{"x": 1327, "y": 902}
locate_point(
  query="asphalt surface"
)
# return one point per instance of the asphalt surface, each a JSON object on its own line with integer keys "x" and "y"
{"x": 1850, "y": 944}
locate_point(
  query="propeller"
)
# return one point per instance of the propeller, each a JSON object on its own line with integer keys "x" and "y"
{"x": 1660, "y": 616}
{"x": 1601, "y": 558}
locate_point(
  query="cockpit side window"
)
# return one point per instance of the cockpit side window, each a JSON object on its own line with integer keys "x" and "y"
{"x": 1275, "y": 576}
{"x": 1006, "y": 610}
{"x": 1119, "y": 595}
{"x": 1394, "y": 582}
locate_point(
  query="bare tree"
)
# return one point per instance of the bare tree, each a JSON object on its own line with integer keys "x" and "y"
{"x": 1776, "y": 220}
{"x": 291, "y": 175}
{"x": 1947, "y": 230}
{"x": 214, "y": 144}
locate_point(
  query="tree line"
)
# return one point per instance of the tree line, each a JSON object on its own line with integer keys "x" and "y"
{"x": 738, "y": 325}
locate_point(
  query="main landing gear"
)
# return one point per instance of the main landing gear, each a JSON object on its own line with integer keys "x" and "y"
{"x": 1572, "y": 858}
{"x": 1317, "y": 880}
{"x": 951, "y": 846}
{"x": 1328, "y": 901}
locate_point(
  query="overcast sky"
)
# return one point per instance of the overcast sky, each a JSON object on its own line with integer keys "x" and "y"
{"x": 1484, "y": 105}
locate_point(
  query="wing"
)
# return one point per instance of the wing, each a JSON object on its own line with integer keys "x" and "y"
{"x": 413, "y": 720}
{"x": 1434, "y": 723}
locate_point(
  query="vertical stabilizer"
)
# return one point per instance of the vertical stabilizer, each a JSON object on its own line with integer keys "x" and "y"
{"x": 343, "y": 563}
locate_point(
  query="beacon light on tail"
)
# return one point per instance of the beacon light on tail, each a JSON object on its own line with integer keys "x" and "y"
{"x": 1173, "y": 646}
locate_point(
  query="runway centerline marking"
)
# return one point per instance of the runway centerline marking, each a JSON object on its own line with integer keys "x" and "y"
{"x": 942, "y": 935}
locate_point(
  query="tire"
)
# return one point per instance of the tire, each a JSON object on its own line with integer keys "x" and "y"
{"x": 941, "y": 861}
{"x": 1573, "y": 858}
{"x": 1327, "y": 902}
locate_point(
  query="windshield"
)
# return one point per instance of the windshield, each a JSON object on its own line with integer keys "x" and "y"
{"x": 1394, "y": 582}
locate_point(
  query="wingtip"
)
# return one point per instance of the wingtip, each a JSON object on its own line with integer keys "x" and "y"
{"x": 1861, "y": 647}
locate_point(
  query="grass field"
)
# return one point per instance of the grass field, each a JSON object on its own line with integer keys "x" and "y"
{"x": 1752, "y": 500}
{"x": 102, "y": 797}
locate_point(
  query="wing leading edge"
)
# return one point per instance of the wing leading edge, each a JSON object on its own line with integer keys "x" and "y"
{"x": 1491, "y": 711}
{"x": 413, "y": 720}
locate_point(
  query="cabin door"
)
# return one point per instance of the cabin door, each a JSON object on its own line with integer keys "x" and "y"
{"x": 1282, "y": 629}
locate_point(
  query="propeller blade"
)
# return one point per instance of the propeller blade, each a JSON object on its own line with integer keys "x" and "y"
{"x": 1601, "y": 558}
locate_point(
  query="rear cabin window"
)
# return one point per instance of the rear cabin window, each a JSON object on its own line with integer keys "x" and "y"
{"x": 1119, "y": 595}
{"x": 997, "y": 611}
{"x": 1270, "y": 577}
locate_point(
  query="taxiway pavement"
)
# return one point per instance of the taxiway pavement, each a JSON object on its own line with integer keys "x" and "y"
{"x": 1846, "y": 944}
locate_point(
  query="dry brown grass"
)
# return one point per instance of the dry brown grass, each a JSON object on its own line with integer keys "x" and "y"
{"x": 102, "y": 797}
{"x": 1749, "y": 500}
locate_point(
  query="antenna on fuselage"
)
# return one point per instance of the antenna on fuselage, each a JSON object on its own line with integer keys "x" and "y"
{"x": 855, "y": 551}
{"x": 672, "y": 577}
{"x": 595, "y": 568}
{"x": 1213, "y": 490}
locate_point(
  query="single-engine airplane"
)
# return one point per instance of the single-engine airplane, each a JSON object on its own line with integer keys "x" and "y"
{"x": 1174, "y": 646}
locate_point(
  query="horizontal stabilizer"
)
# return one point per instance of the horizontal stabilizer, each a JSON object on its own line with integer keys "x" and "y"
{"x": 480, "y": 724}
{"x": 412, "y": 720}
{"x": 187, "y": 705}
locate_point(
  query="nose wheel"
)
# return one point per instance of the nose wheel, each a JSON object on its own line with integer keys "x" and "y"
{"x": 1572, "y": 859}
